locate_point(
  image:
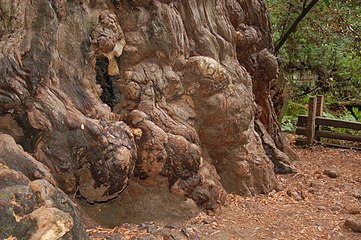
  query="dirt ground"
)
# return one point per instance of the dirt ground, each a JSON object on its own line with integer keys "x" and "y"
{"x": 314, "y": 204}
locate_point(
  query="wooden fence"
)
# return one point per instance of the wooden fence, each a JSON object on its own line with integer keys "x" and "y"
{"x": 311, "y": 126}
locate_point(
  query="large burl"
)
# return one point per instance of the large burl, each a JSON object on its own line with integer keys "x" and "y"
{"x": 192, "y": 75}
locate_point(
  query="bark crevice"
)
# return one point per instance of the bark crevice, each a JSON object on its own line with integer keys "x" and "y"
{"x": 110, "y": 92}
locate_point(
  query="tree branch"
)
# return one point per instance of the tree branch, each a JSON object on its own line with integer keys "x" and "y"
{"x": 304, "y": 12}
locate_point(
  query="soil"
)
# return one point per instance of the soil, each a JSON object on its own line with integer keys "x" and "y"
{"x": 314, "y": 203}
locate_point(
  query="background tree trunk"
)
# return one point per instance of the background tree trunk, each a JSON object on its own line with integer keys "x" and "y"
{"x": 163, "y": 96}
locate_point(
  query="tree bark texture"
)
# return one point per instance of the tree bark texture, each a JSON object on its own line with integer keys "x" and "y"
{"x": 158, "y": 95}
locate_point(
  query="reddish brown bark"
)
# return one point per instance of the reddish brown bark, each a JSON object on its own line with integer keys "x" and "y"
{"x": 184, "y": 82}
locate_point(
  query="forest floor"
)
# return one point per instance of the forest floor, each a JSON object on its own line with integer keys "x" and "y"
{"x": 314, "y": 204}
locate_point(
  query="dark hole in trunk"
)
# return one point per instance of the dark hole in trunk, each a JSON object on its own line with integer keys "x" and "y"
{"x": 110, "y": 94}
{"x": 30, "y": 135}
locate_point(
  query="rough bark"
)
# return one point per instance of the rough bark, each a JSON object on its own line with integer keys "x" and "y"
{"x": 184, "y": 82}
{"x": 31, "y": 207}
{"x": 254, "y": 51}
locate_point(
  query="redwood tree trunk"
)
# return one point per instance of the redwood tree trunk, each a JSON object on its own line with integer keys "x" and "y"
{"x": 163, "y": 96}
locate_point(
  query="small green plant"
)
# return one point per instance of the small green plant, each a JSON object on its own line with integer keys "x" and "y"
{"x": 294, "y": 109}
{"x": 289, "y": 121}
{"x": 288, "y": 124}
{"x": 357, "y": 113}
{"x": 329, "y": 115}
{"x": 347, "y": 116}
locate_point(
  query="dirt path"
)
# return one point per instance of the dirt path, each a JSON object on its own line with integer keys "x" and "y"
{"x": 312, "y": 205}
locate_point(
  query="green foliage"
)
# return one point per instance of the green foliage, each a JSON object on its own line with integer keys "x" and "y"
{"x": 289, "y": 121}
{"x": 294, "y": 109}
{"x": 357, "y": 113}
{"x": 329, "y": 115}
{"x": 288, "y": 124}
{"x": 346, "y": 116}
{"x": 323, "y": 56}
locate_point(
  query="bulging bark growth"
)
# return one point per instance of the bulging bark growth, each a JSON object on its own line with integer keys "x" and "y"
{"x": 184, "y": 82}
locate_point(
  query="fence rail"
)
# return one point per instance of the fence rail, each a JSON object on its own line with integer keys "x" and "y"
{"x": 302, "y": 121}
{"x": 311, "y": 126}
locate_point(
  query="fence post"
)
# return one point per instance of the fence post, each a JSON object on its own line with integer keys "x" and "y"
{"x": 319, "y": 111}
{"x": 311, "y": 120}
